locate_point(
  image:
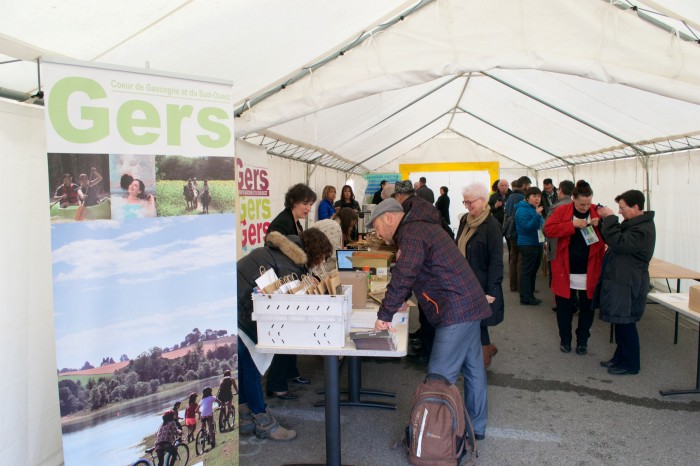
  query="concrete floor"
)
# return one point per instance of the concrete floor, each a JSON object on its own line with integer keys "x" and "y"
{"x": 545, "y": 407}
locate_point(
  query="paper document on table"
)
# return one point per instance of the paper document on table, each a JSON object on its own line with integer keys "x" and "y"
{"x": 675, "y": 298}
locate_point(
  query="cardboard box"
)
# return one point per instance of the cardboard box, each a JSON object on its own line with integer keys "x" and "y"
{"x": 313, "y": 321}
{"x": 358, "y": 281}
{"x": 372, "y": 259}
{"x": 694, "y": 298}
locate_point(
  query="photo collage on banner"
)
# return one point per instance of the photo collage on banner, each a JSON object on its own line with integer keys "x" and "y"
{"x": 142, "y": 197}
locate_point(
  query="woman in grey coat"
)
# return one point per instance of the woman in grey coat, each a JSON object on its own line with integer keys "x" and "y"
{"x": 624, "y": 283}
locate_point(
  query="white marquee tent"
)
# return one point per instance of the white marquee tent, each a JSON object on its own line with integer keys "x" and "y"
{"x": 607, "y": 91}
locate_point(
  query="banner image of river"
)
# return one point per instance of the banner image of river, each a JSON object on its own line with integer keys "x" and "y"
{"x": 144, "y": 315}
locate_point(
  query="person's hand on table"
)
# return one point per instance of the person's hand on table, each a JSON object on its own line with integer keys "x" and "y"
{"x": 380, "y": 325}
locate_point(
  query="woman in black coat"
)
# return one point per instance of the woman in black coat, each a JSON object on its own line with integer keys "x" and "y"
{"x": 624, "y": 282}
{"x": 480, "y": 240}
{"x": 297, "y": 204}
{"x": 285, "y": 255}
{"x": 443, "y": 204}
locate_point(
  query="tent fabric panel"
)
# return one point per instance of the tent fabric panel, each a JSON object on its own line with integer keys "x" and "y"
{"x": 498, "y": 141}
{"x": 444, "y": 148}
{"x": 336, "y": 128}
{"x": 33, "y": 428}
{"x": 400, "y": 146}
{"x": 628, "y": 113}
{"x": 590, "y": 39}
{"x": 529, "y": 119}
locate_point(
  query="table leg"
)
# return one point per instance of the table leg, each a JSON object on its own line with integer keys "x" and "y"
{"x": 332, "y": 411}
{"x": 689, "y": 391}
{"x": 355, "y": 389}
{"x": 675, "y": 328}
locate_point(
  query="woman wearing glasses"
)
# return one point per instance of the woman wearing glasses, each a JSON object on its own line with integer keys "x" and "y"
{"x": 480, "y": 240}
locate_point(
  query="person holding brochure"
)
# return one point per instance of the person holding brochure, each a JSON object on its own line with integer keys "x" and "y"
{"x": 576, "y": 265}
{"x": 429, "y": 265}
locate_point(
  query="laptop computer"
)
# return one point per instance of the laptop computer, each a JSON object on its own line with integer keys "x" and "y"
{"x": 344, "y": 262}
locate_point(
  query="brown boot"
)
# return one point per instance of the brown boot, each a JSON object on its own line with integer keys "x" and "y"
{"x": 247, "y": 425}
{"x": 266, "y": 426}
{"x": 489, "y": 352}
{"x": 487, "y": 355}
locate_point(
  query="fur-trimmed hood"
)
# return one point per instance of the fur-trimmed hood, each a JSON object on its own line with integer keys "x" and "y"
{"x": 291, "y": 246}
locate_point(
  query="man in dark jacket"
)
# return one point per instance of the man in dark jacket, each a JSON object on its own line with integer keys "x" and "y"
{"x": 549, "y": 196}
{"x": 430, "y": 265}
{"x": 515, "y": 260}
{"x": 378, "y": 195}
{"x": 424, "y": 191}
{"x": 624, "y": 283}
{"x": 497, "y": 201}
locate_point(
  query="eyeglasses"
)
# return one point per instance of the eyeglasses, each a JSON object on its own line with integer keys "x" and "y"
{"x": 468, "y": 203}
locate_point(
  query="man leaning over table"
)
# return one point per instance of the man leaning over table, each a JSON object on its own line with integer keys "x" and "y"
{"x": 429, "y": 264}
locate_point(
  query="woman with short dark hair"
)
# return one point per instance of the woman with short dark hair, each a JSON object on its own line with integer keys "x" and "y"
{"x": 297, "y": 205}
{"x": 528, "y": 222}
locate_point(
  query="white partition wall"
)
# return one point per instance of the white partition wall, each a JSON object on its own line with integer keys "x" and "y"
{"x": 674, "y": 183}
{"x": 30, "y": 425}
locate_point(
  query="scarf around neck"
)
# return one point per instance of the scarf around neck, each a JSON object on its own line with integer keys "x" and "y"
{"x": 473, "y": 223}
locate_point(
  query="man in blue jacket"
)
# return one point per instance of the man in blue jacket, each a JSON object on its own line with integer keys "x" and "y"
{"x": 429, "y": 264}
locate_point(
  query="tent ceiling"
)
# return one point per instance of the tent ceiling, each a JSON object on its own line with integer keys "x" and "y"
{"x": 513, "y": 89}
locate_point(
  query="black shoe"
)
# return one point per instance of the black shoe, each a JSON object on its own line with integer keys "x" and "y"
{"x": 531, "y": 302}
{"x": 554, "y": 309}
{"x": 301, "y": 380}
{"x": 610, "y": 363}
{"x": 282, "y": 395}
{"x": 581, "y": 350}
{"x": 565, "y": 348}
{"x": 618, "y": 370}
{"x": 480, "y": 436}
{"x": 419, "y": 358}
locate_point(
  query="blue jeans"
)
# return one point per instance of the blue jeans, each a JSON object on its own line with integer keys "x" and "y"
{"x": 249, "y": 381}
{"x": 457, "y": 348}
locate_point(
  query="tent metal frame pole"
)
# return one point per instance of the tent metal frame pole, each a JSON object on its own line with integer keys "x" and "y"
{"x": 488, "y": 148}
{"x": 565, "y": 113}
{"x": 459, "y": 99}
{"x": 252, "y": 102}
{"x": 483, "y": 120}
{"x": 413, "y": 102}
{"x": 401, "y": 139}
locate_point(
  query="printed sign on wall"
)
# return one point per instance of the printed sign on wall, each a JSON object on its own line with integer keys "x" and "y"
{"x": 254, "y": 199}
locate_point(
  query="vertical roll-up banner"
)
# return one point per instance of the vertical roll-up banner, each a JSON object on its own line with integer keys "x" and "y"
{"x": 254, "y": 201}
{"x": 142, "y": 198}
